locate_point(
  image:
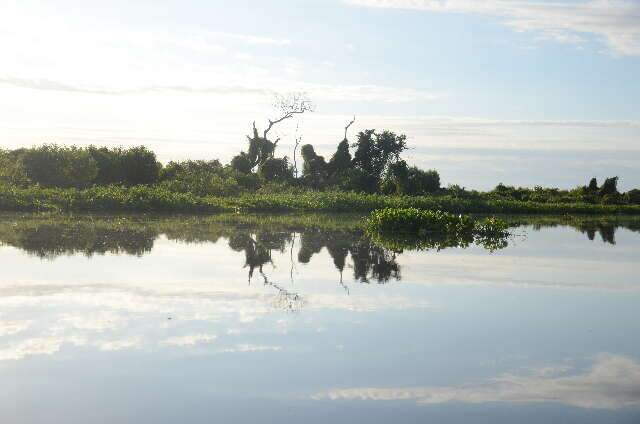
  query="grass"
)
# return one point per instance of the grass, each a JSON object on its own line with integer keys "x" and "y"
{"x": 158, "y": 199}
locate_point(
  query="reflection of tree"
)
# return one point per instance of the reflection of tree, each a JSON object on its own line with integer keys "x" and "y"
{"x": 284, "y": 300}
{"x": 606, "y": 230}
{"x": 369, "y": 261}
{"x": 52, "y": 240}
{"x": 605, "y": 227}
{"x": 258, "y": 251}
{"x": 374, "y": 260}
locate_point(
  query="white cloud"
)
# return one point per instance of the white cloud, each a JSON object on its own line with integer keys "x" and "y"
{"x": 613, "y": 382}
{"x": 614, "y": 22}
{"x": 317, "y": 91}
{"x": 8, "y": 327}
{"x": 37, "y": 346}
{"x": 115, "y": 345}
{"x": 190, "y": 340}
{"x": 243, "y": 348}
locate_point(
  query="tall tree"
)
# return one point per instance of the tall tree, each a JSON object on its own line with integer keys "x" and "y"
{"x": 376, "y": 151}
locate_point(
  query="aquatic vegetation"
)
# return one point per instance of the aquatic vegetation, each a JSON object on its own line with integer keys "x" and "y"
{"x": 411, "y": 228}
{"x": 160, "y": 199}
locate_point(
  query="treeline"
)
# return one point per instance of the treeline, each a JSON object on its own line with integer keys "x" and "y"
{"x": 375, "y": 166}
{"x": 606, "y": 194}
{"x": 51, "y": 165}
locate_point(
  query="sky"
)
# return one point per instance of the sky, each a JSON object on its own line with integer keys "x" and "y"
{"x": 521, "y": 92}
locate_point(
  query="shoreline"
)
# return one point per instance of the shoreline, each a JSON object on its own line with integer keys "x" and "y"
{"x": 150, "y": 199}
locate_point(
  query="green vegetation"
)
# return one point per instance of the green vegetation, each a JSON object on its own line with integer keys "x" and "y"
{"x": 49, "y": 235}
{"x": 399, "y": 229}
{"x": 162, "y": 199}
{"x": 363, "y": 176}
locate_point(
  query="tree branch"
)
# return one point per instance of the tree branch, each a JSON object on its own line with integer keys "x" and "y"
{"x": 349, "y": 126}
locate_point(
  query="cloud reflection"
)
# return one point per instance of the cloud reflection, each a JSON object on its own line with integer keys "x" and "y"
{"x": 613, "y": 382}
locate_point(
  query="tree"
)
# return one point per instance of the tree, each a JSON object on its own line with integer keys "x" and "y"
{"x": 423, "y": 182}
{"x": 376, "y": 151}
{"x": 633, "y": 196}
{"x": 260, "y": 147}
{"x": 341, "y": 159}
{"x": 609, "y": 187}
{"x": 241, "y": 163}
{"x": 11, "y": 170}
{"x": 314, "y": 171}
{"x": 140, "y": 166}
{"x": 593, "y": 185}
{"x": 402, "y": 179}
{"x": 355, "y": 179}
{"x": 110, "y": 165}
{"x": 53, "y": 166}
{"x": 276, "y": 169}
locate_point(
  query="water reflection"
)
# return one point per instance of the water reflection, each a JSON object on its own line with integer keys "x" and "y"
{"x": 606, "y": 228}
{"x": 49, "y": 238}
{"x": 216, "y": 312}
{"x": 611, "y": 382}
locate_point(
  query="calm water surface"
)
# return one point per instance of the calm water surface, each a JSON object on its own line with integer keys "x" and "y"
{"x": 271, "y": 319}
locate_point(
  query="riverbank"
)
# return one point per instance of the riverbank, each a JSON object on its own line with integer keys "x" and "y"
{"x": 156, "y": 199}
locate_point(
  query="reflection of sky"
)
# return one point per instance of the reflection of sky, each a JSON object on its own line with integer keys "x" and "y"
{"x": 179, "y": 332}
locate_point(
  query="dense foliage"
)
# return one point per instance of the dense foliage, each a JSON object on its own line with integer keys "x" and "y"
{"x": 412, "y": 228}
{"x": 51, "y": 165}
{"x": 365, "y": 175}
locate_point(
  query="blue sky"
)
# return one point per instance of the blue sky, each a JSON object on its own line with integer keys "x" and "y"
{"x": 524, "y": 92}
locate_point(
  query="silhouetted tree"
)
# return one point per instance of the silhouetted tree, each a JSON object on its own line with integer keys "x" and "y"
{"x": 610, "y": 186}
{"x": 376, "y": 151}
{"x": 314, "y": 171}
{"x": 340, "y": 162}
{"x": 260, "y": 147}
{"x": 140, "y": 166}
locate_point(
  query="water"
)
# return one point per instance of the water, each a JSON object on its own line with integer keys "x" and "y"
{"x": 281, "y": 319}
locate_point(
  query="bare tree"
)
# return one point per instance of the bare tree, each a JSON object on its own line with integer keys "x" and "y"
{"x": 260, "y": 147}
{"x": 289, "y": 105}
{"x": 349, "y": 126}
{"x": 298, "y": 139}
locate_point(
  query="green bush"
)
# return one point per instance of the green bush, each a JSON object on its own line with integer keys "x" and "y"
{"x": 416, "y": 221}
{"x": 633, "y": 196}
{"x": 54, "y": 166}
{"x": 413, "y": 228}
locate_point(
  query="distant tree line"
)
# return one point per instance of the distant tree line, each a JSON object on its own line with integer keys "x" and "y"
{"x": 373, "y": 163}
{"x": 51, "y": 165}
{"x": 375, "y": 166}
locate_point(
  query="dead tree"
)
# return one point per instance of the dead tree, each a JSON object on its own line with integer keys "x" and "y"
{"x": 260, "y": 147}
{"x": 349, "y": 126}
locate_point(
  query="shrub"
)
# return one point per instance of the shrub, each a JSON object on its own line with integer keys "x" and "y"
{"x": 110, "y": 165}
{"x": 241, "y": 163}
{"x": 53, "y": 166}
{"x": 276, "y": 170}
{"x": 359, "y": 181}
{"x": 140, "y": 166}
{"x": 417, "y": 221}
{"x": 633, "y": 196}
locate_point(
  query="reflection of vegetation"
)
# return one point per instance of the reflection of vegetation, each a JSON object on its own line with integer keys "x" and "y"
{"x": 257, "y": 250}
{"x": 49, "y": 239}
{"x": 372, "y": 257}
{"x": 399, "y": 229}
{"x": 606, "y": 227}
{"x": 284, "y": 300}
